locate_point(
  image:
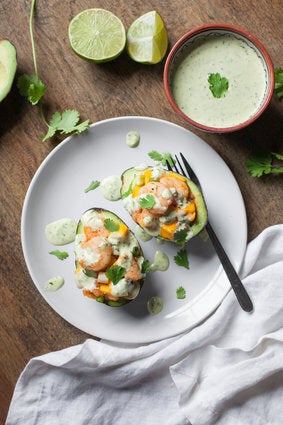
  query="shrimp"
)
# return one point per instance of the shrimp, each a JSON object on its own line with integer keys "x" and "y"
{"x": 177, "y": 187}
{"x": 129, "y": 262}
{"x": 90, "y": 232}
{"x": 96, "y": 293}
{"x": 163, "y": 197}
{"x": 95, "y": 254}
{"x": 134, "y": 271}
{"x": 145, "y": 219}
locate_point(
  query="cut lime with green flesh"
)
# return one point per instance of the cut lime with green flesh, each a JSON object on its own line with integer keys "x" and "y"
{"x": 97, "y": 35}
{"x": 147, "y": 39}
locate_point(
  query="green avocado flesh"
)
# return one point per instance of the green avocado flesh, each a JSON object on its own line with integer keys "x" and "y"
{"x": 121, "y": 243}
{"x": 8, "y": 66}
{"x": 169, "y": 210}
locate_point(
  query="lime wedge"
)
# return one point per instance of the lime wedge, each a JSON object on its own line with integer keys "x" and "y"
{"x": 97, "y": 35}
{"x": 147, "y": 39}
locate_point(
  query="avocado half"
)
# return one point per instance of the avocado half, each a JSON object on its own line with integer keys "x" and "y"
{"x": 134, "y": 179}
{"x": 8, "y": 66}
{"x": 100, "y": 292}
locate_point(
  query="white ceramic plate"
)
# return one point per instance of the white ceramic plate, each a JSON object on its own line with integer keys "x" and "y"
{"x": 57, "y": 191}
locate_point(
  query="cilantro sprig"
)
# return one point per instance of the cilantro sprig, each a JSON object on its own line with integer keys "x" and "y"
{"x": 61, "y": 255}
{"x": 180, "y": 236}
{"x": 163, "y": 158}
{"x": 264, "y": 163}
{"x": 111, "y": 225}
{"x": 181, "y": 258}
{"x": 218, "y": 85}
{"x": 65, "y": 123}
{"x": 31, "y": 87}
{"x": 181, "y": 293}
{"x": 278, "y": 87}
{"x": 145, "y": 268}
{"x": 147, "y": 201}
{"x": 92, "y": 186}
{"x": 115, "y": 273}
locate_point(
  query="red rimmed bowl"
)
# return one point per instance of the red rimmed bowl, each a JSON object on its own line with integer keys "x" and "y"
{"x": 211, "y": 57}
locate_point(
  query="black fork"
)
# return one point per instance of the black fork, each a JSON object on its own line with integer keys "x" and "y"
{"x": 239, "y": 290}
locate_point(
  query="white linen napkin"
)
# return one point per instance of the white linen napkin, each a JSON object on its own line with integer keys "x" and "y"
{"x": 226, "y": 371}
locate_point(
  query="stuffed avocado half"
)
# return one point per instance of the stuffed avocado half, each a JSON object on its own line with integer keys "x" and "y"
{"x": 109, "y": 259}
{"x": 165, "y": 204}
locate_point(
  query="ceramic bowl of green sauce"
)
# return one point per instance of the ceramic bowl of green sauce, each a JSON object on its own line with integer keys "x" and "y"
{"x": 219, "y": 78}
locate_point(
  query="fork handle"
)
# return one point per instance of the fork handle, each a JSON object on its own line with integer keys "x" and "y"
{"x": 237, "y": 286}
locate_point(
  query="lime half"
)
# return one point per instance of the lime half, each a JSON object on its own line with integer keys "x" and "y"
{"x": 147, "y": 39}
{"x": 97, "y": 35}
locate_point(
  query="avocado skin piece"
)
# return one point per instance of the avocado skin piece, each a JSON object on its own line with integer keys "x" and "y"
{"x": 131, "y": 177}
{"x": 8, "y": 66}
{"x": 112, "y": 216}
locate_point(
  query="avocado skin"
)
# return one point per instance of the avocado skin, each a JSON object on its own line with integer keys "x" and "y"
{"x": 130, "y": 178}
{"x": 111, "y": 215}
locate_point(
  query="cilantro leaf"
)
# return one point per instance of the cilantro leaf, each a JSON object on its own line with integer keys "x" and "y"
{"x": 278, "y": 87}
{"x": 181, "y": 293}
{"x": 218, "y": 85}
{"x": 65, "y": 123}
{"x": 181, "y": 258}
{"x": 93, "y": 185}
{"x": 259, "y": 164}
{"x": 277, "y": 155}
{"x": 111, "y": 225}
{"x": 61, "y": 255}
{"x": 159, "y": 157}
{"x": 180, "y": 236}
{"x": 115, "y": 273}
{"x": 156, "y": 156}
{"x": 147, "y": 202}
{"x": 32, "y": 87}
{"x": 262, "y": 163}
{"x": 145, "y": 268}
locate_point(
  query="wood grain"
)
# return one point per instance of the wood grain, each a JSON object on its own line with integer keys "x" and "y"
{"x": 28, "y": 326}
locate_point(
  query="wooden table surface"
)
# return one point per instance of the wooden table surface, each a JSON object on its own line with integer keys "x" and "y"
{"x": 28, "y": 326}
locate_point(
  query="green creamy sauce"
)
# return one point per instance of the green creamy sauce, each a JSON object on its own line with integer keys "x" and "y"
{"x": 238, "y": 62}
{"x": 161, "y": 262}
{"x": 154, "y": 305}
{"x": 54, "y": 283}
{"x": 61, "y": 232}
{"x": 133, "y": 139}
{"x": 142, "y": 234}
{"x": 110, "y": 188}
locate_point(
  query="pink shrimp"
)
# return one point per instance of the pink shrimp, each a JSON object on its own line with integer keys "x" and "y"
{"x": 177, "y": 187}
{"x": 145, "y": 219}
{"x": 99, "y": 253}
{"x": 134, "y": 271}
{"x": 163, "y": 197}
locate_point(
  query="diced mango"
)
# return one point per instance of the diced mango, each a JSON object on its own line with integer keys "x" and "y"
{"x": 190, "y": 208}
{"x": 136, "y": 190}
{"x": 78, "y": 269}
{"x": 147, "y": 175}
{"x": 105, "y": 289}
{"x": 167, "y": 230}
{"x": 123, "y": 229}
